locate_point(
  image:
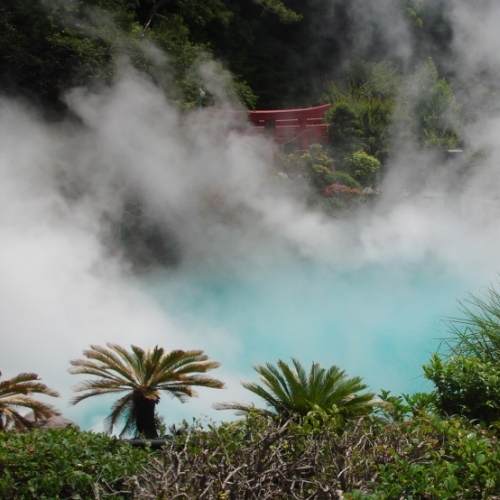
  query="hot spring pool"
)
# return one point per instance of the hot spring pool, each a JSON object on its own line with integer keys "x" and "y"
{"x": 378, "y": 322}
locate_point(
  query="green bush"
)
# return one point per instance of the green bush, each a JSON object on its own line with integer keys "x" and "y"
{"x": 64, "y": 464}
{"x": 438, "y": 460}
{"x": 466, "y": 386}
{"x": 345, "y": 180}
{"x": 364, "y": 168}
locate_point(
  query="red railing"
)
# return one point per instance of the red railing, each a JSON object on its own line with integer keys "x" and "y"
{"x": 303, "y": 126}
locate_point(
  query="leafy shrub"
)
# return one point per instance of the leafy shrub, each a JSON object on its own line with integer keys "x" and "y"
{"x": 346, "y": 180}
{"x": 466, "y": 386}
{"x": 64, "y": 464}
{"x": 364, "y": 168}
{"x": 438, "y": 460}
{"x": 400, "y": 408}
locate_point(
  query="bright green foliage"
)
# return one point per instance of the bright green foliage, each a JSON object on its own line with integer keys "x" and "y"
{"x": 17, "y": 393}
{"x": 289, "y": 391}
{"x": 142, "y": 375}
{"x": 400, "y": 408}
{"x": 344, "y": 132}
{"x": 437, "y": 460}
{"x": 64, "y": 464}
{"x": 364, "y": 168}
{"x": 466, "y": 386}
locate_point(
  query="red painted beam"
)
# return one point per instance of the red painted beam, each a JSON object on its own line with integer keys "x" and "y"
{"x": 289, "y": 114}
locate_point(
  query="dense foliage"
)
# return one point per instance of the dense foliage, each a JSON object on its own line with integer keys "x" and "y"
{"x": 466, "y": 386}
{"x": 64, "y": 463}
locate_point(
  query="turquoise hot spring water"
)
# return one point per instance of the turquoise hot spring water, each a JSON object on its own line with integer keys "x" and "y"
{"x": 380, "y": 322}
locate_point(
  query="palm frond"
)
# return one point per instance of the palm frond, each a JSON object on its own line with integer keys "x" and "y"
{"x": 96, "y": 392}
{"x": 110, "y": 362}
{"x": 121, "y": 410}
{"x": 242, "y": 408}
{"x": 292, "y": 391}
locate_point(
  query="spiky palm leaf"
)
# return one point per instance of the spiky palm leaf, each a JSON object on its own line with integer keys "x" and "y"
{"x": 142, "y": 375}
{"x": 16, "y": 393}
{"x": 291, "y": 391}
{"x": 476, "y": 333}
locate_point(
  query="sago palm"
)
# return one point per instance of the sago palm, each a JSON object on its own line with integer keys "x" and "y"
{"x": 291, "y": 392}
{"x": 17, "y": 393}
{"x": 142, "y": 375}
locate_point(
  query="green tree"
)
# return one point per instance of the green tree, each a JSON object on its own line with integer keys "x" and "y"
{"x": 291, "y": 392}
{"x": 17, "y": 393}
{"x": 142, "y": 375}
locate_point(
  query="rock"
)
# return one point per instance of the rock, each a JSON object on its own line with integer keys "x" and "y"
{"x": 55, "y": 422}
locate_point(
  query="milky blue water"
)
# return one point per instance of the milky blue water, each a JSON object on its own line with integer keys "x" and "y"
{"x": 378, "y": 322}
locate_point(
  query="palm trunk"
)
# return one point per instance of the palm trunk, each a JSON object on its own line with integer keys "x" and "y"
{"x": 145, "y": 416}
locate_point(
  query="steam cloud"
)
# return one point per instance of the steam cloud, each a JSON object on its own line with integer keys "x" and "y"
{"x": 205, "y": 176}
